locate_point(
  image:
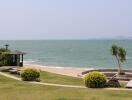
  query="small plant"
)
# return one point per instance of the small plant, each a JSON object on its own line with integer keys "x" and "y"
{"x": 95, "y": 80}
{"x": 30, "y": 74}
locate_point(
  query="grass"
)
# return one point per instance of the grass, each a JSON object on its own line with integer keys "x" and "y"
{"x": 57, "y": 78}
{"x": 15, "y": 90}
{"x": 67, "y": 80}
{"x": 48, "y": 77}
{"x": 123, "y": 84}
{"x": 60, "y": 79}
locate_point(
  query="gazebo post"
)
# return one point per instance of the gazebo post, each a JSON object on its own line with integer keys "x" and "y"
{"x": 18, "y": 59}
{"x": 22, "y": 60}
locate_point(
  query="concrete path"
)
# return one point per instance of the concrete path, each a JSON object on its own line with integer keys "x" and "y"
{"x": 10, "y": 76}
{"x": 59, "y": 85}
{"x": 118, "y": 89}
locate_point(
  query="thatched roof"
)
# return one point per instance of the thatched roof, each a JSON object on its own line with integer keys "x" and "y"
{"x": 16, "y": 52}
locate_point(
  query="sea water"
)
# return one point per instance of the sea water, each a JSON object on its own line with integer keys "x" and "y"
{"x": 71, "y": 53}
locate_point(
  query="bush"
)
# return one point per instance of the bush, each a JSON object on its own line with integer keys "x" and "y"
{"x": 30, "y": 74}
{"x": 95, "y": 80}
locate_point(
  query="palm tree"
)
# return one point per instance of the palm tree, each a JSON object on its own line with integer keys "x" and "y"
{"x": 120, "y": 54}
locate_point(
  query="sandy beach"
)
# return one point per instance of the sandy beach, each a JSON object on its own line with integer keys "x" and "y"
{"x": 74, "y": 72}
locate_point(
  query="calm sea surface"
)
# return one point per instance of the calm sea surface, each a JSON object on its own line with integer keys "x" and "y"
{"x": 72, "y": 53}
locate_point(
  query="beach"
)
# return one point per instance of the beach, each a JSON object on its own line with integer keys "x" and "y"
{"x": 74, "y": 72}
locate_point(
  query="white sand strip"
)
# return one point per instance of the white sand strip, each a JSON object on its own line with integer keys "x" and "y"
{"x": 74, "y": 72}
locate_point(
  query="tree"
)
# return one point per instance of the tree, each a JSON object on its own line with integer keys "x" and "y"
{"x": 3, "y": 56}
{"x": 3, "y": 50}
{"x": 120, "y": 54}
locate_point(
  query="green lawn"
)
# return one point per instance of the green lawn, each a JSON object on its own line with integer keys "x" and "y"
{"x": 57, "y": 78}
{"x": 16, "y": 90}
{"x": 60, "y": 79}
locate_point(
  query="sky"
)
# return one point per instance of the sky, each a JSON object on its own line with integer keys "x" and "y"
{"x": 65, "y": 19}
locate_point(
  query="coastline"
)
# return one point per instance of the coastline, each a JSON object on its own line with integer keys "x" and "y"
{"x": 68, "y": 71}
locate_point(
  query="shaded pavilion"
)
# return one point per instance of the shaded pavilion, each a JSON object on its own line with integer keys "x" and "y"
{"x": 11, "y": 58}
{"x": 15, "y": 58}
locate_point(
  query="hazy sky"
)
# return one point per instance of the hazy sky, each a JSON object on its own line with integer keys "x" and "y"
{"x": 65, "y": 19}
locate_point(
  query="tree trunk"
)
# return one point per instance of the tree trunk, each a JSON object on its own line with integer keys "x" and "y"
{"x": 119, "y": 65}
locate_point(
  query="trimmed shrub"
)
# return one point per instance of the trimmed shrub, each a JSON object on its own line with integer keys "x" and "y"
{"x": 95, "y": 80}
{"x": 30, "y": 74}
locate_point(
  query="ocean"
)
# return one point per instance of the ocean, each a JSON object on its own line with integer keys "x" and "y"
{"x": 71, "y": 53}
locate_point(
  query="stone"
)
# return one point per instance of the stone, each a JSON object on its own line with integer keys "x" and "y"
{"x": 129, "y": 84}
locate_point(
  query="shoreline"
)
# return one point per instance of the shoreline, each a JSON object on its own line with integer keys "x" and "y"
{"x": 68, "y": 71}
{"x": 71, "y": 71}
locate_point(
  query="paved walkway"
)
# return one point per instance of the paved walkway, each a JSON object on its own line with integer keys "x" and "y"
{"x": 10, "y": 76}
{"x": 59, "y": 85}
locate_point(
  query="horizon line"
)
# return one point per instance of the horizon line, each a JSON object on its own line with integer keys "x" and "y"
{"x": 60, "y": 39}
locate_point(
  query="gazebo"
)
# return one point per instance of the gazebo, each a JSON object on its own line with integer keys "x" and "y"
{"x": 11, "y": 58}
{"x": 15, "y": 58}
